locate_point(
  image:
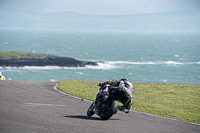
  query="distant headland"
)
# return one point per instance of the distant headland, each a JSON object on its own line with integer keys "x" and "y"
{"x": 20, "y": 59}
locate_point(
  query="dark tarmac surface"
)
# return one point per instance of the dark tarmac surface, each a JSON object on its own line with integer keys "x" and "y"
{"x": 32, "y": 107}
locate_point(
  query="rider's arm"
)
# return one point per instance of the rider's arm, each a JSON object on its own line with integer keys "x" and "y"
{"x": 108, "y": 82}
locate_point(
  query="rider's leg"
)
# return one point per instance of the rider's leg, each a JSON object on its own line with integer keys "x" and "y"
{"x": 126, "y": 106}
{"x": 126, "y": 101}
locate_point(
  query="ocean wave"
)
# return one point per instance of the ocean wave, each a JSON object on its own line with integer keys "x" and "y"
{"x": 127, "y": 62}
{"x": 172, "y": 63}
{"x": 79, "y": 73}
{"x": 101, "y": 65}
{"x": 39, "y": 68}
{"x": 152, "y": 63}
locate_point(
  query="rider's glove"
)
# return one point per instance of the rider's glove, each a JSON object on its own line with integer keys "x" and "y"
{"x": 100, "y": 84}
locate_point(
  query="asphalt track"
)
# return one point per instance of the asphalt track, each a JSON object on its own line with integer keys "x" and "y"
{"x": 36, "y": 107}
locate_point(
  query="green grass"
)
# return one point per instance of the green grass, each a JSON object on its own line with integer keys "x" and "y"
{"x": 13, "y": 54}
{"x": 180, "y": 102}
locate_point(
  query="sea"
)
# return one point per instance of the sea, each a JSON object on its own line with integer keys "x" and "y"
{"x": 141, "y": 57}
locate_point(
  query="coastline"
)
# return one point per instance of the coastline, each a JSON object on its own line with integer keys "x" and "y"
{"x": 20, "y": 59}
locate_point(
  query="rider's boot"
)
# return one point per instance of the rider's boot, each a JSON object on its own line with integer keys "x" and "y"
{"x": 122, "y": 108}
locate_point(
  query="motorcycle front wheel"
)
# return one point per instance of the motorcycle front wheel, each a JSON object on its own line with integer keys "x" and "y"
{"x": 111, "y": 110}
{"x": 90, "y": 111}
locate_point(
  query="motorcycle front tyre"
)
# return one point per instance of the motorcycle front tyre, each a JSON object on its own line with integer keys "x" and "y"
{"x": 90, "y": 111}
{"x": 112, "y": 109}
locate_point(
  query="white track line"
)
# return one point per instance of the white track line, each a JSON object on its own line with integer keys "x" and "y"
{"x": 55, "y": 88}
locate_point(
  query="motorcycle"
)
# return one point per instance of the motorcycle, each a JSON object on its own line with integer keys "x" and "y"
{"x": 107, "y": 106}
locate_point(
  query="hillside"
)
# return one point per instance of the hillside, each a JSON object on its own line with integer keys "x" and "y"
{"x": 169, "y": 21}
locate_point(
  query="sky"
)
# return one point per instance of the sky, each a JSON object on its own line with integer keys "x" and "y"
{"x": 102, "y": 7}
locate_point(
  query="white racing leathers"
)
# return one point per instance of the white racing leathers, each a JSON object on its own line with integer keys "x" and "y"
{"x": 127, "y": 86}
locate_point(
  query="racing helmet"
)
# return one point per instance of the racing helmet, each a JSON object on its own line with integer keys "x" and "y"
{"x": 124, "y": 79}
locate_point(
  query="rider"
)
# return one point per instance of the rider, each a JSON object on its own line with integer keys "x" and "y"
{"x": 2, "y": 77}
{"x": 123, "y": 87}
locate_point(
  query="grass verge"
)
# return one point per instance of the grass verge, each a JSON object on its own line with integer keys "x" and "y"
{"x": 13, "y": 54}
{"x": 180, "y": 102}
